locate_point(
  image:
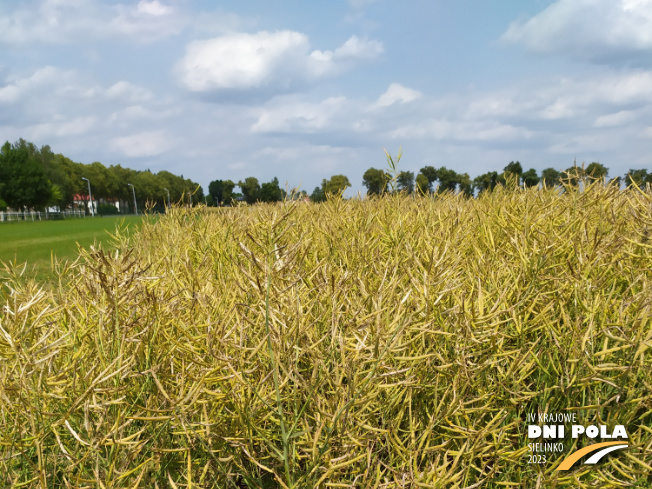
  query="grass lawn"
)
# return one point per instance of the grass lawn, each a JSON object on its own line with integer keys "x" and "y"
{"x": 35, "y": 242}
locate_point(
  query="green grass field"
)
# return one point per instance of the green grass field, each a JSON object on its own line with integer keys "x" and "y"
{"x": 36, "y": 242}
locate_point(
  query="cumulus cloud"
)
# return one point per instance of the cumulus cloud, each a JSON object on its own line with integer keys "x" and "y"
{"x": 594, "y": 30}
{"x": 567, "y": 98}
{"x": 361, "y": 3}
{"x": 63, "y": 127}
{"x": 276, "y": 61}
{"x": 129, "y": 92}
{"x": 147, "y": 143}
{"x": 69, "y": 21}
{"x": 285, "y": 115}
{"x": 615, "y": 120}
{"x": 397, "y": 93}
{"x": 50, "y": 80}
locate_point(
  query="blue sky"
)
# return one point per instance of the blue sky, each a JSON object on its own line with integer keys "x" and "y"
{"x": 306, "y": 90}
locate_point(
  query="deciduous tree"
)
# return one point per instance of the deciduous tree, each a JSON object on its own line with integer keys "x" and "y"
{"x": 250, "y": 189}
{"x": 550, "y": 177}
{"x": 335, "y": 185}
{"x": 376, "y": 181}
{"x": 405, "y": 181}
{"x": 23, "y": 182}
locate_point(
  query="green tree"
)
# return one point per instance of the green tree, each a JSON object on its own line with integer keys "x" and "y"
{"x": 431, "y": 174}
{"x": 405, "y": 181}
{"x": 376, "y": 181}
{"x": 638, "y": 177}
{"x": 250, "y": 189}
{"x": 227, "y": 193}
{"x": 511, "y": 176}
{"x": 530, "y": 178}
{"x": 485, "y": 182}
{"x": 465, "y": 184}
{"x": 216, "y": 190}
{"x": 448, "y": 179}
{"x": 317, "y": 195}
{"x": 23, "y": 182}
{"x": 221, "y": 191}
{"x": 271, "y": 192}
{"x": 573, "y": 175}
{"x": 336, "y": 185}
{"x": 514, "y": 167}
{"x": 423, "y": 186}
{"x": 597, "y": 171}
{"x": 550, "y": 177}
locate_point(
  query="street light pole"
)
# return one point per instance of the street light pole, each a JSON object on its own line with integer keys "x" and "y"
{"x": 168, "y": 196}
{"x": 90, "y": 197}
{"x": 134, "y": 192}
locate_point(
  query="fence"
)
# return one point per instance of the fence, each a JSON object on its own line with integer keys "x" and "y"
{"x": 40, "y": 216}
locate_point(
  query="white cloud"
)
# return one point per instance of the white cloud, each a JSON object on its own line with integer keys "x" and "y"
{"x": 353, "y": 49}
{"x": 615, "y": 120}
{"x": 567, "y": 98}
{"x": 49, "y": 78}
{"x": 154, "y": 8}
{"x": 277, "y": 61}
{"x": 147, "y": 143}
{"x": 146, "y": 21}
{"x": 361, "y": 3}
{"x": 62, "y": 127}
{"x": 286, "y": 115}
{"x": 69, "y": 21}
{"x": 461, "y": 131}
{"x": 597, "y": 30}
{"x": 397, "y": 93}
{"x": 129, "y": 92}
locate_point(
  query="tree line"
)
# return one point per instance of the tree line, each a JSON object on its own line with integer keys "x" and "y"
{"x": 428, "y": 180}
{"x": 431, "y": 179}
{"x": 37, "y": 178}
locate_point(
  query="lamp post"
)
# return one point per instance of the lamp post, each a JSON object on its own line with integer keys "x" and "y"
{"x": 90, "y": 197}
{"x": 134, "y": 192}
{"x": 168, "y": 196}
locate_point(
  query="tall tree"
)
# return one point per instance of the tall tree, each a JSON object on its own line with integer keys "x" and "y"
{"x": 250, "y": 189}
{"x": 431, "y": 174}
{"x": 271, "y": 192}
{"x": 511, "y": 176}
{"x": 215, "y": 190}
{"x": 405, "y": 182}
{"x": 23, "y": 182}
{"x": 227, "y": 192}
{"x": 485, "y": 182}
{"x": 550, "y": 177}
{"x": 639, "y": 177}
{"x": 317, "y": 195}
{"x": 573, "y": 175}
{"x": 221, "y": 191}
{"x": 465, "y": 184}
{"x": 514, "y": 167}
{"x": 423, "y": 186}
{"x": 530, "y": 178}
{"x": 448, "y": 179}
{"x": 597, "y": 171}
{"x": 376, "y": 181}
{"x": 336, "y": 185}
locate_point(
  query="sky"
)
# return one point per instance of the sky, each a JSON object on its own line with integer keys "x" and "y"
{"x": 302, "y": 91}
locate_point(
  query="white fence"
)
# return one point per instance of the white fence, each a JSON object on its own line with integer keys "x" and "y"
{"x": 40, "y": 216}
